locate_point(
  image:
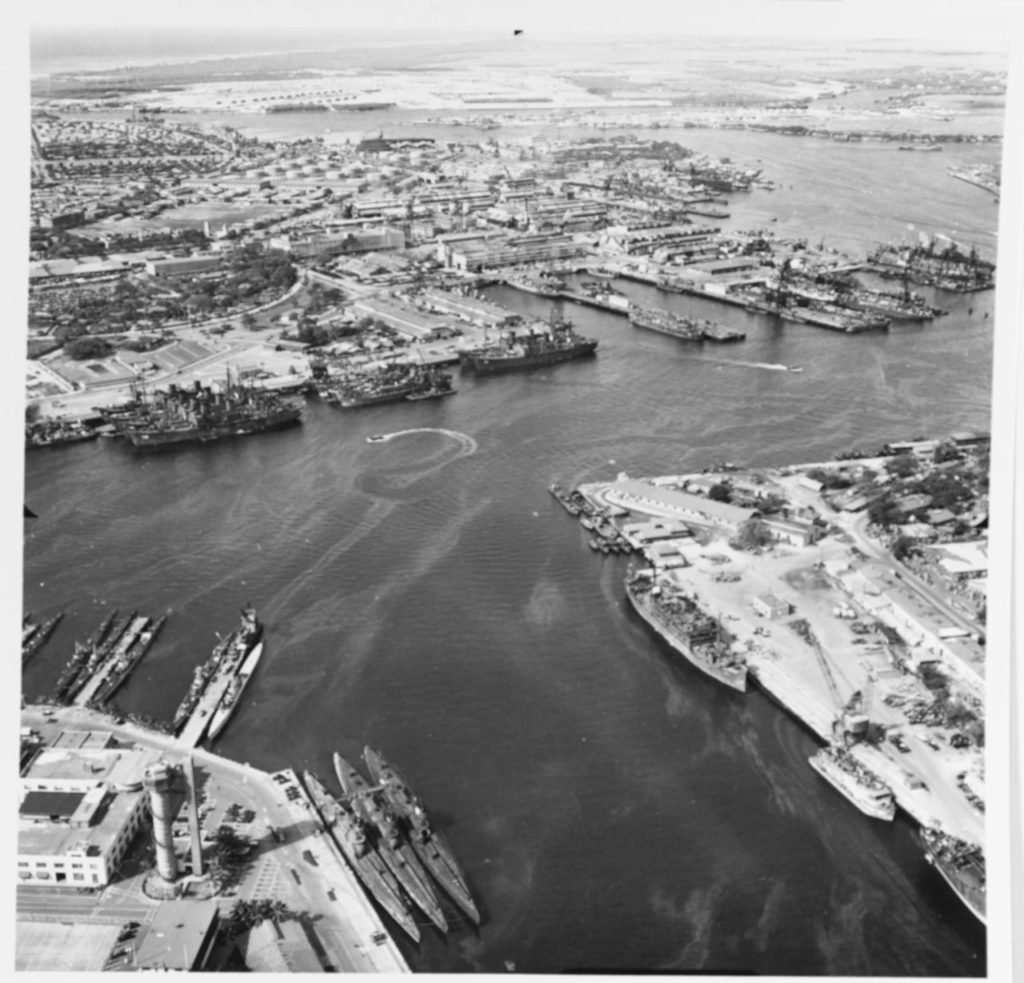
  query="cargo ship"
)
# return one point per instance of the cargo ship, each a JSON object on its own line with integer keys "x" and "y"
{"x": 430, "y": 846}
{"x": 201, "y": 414}
{"x": 699, "y": 638}
{"x": 559, "y": 343}
{"x": 857, "y": 783}
{"x": 396, "y": 853}
{"x": 684, "y": 328}
{"x": 349, "y": 832}
{"x": 229, "y": 702}
{"x": 962, "y": 866}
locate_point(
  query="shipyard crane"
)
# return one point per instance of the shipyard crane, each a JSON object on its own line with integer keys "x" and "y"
{"x": 851, "y": 723}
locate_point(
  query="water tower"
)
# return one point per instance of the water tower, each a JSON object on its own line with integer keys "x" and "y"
{"x": 159, "y": 780}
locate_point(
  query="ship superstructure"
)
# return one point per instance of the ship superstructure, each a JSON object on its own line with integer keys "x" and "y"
{"x": 199, "y": 413}
{"x": 961, "y": 864}
{"x": 691, "y": 632}
{"x": 676, "y": 326}
{"x": 545, "y": 343}
{"x": 855, "y": 781}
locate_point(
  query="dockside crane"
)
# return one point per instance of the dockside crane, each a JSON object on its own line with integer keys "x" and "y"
{"x": 851, "y": 723}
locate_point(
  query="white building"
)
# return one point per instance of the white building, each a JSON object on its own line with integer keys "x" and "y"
{"x": 80, "y": 807}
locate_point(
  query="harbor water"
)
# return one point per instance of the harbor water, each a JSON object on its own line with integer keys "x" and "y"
{"x": 613, "y": 808}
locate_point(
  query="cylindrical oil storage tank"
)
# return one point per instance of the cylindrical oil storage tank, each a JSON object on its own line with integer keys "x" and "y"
{"x": 159, "y": 780}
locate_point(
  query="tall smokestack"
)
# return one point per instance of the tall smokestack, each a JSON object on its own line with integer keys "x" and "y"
{"x": 158, "y": 781}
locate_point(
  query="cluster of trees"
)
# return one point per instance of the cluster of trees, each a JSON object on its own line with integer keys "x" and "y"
{"x": 245, "y": 915}
{"x": 87, "y": 347}
{"x": 251, "y": 274}
{"x": 752, "y": 535}
{"x": 229, "y": 857}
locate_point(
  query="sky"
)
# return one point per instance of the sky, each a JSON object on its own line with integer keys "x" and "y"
{"x": 962, "y": 20}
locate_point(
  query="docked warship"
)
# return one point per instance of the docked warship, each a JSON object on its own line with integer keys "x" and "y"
{"x": 962, "y": 866}
{"x": 243, "y": 638}
{"x": 684, "y": 328}
{"x": 430, "y": 846}
{"x": 199, "y": 414}
{"x": 698, "y": 637}
{"x": 397, "y": 854}
{"x": 857, "y": 783}
{"x": 559, "y": 343}
{"x": 229, "y": 701}
{"x": 388, "y": 384}
{"x": 350, "y": 833}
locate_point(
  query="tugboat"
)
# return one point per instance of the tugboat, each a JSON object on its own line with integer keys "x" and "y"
{"x": 430, "y": 846}
{"x": 398, "y": 855}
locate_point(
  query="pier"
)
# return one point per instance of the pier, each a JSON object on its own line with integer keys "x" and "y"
{"x": 293, "y": 859}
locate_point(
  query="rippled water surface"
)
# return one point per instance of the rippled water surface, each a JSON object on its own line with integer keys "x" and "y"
{"x": 614, "y": 809}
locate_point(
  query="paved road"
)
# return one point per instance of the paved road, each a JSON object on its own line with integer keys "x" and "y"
{"x": 346, "y": 924}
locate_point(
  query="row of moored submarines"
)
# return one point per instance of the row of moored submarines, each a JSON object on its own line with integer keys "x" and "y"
{"x": 383, "y": 831}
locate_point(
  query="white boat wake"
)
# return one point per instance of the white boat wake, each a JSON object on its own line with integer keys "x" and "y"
{"x": 466, "y": 443}
{"x": 770, "y": 366}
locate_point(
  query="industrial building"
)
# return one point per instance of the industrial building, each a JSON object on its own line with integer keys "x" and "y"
{"x": 476, "y": 256}
{"x": 184, "y": 265}
{"x": 403, "y": 317}
{"x": 333, "y": 242}
{"x": 659, "y": 500}
{"x": 473, "y": 309}
{"x": 81, "y": 803}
